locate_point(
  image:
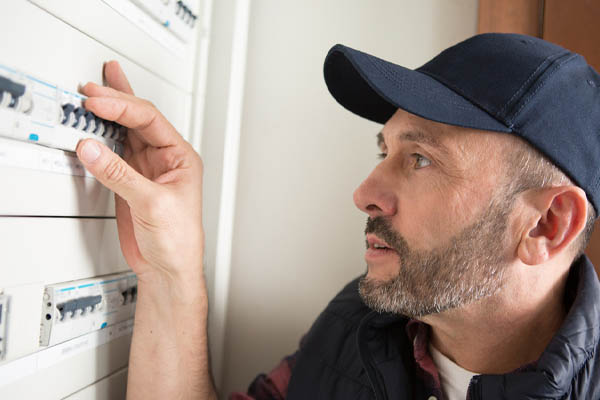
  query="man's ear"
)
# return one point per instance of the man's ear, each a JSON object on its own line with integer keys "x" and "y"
{"x": 558, "y": 215}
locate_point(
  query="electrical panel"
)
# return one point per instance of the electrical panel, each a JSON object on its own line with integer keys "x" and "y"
{"x": 3, "y": 324}
{"x": 67, "y": 296}
{"x": 39, "y": 112}
{"x": 72, "y": 309}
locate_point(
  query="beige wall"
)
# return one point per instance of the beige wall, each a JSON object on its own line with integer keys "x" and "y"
{"x": 297, "y": 235}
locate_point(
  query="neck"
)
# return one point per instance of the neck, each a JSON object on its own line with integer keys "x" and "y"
{"x": 501, "y": 333}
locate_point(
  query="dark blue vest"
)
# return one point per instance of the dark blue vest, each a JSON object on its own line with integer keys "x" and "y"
{"x": 352, "y": 352}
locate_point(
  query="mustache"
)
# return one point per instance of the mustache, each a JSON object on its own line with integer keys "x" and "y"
{"x": 382, "y": 228}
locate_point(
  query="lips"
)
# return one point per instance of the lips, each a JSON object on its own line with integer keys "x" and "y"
{"x": 376, "y": 243}
{"x": 379, "y": 251}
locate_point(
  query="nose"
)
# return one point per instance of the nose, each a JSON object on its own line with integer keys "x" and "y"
{"x": 374, "y": 197}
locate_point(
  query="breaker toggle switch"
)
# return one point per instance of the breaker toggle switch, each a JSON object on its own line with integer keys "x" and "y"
{"x": 79, "y": 120}
{"x": 11, "y": 91}
{"x": 24, "y": 103}
{"x": 14, "y": 95}
{"x": 90, "y": 122}
{"x": 129, "y": 295}
{"x": 68, "y": 116}
{"x": 109, "y": 129}
{"x": 6, "y": 100}
{"x": 99, "y": 130}
{"x": 76, "y": 307}
{"x": 15, "y": 89}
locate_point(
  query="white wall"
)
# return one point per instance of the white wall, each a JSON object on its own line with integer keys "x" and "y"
{"x": 298, "y": 236}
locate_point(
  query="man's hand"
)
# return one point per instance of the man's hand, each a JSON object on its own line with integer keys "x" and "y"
{"x": 158, "y": 199}
{"x": 158, "y": 184}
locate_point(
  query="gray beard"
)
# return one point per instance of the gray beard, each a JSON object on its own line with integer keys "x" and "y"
{"x": 470, "y": 268}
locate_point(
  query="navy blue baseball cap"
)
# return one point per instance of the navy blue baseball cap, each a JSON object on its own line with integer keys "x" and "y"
{"x": 510, "y": 83}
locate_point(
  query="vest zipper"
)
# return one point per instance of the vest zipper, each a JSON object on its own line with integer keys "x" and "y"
{"x": 366, "y": 359}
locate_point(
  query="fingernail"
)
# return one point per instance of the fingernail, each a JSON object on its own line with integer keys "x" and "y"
{"x": 90, "y": 152}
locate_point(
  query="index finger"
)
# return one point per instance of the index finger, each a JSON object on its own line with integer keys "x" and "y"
{"x": 115, "y": 77}
{"x": 151, "y": 126}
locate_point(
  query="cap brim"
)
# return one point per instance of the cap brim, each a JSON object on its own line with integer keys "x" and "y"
{"x": 374, "y": 89}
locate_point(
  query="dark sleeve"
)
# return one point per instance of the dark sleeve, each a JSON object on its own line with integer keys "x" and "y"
{"x": 272, "y": 386}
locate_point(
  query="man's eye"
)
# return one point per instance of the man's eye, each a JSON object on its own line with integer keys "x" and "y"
{"x": 421, "y": 162}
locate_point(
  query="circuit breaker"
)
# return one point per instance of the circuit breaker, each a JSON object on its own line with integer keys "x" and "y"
{"x": 38, "y": 112}
{"x": 72, "y": 309}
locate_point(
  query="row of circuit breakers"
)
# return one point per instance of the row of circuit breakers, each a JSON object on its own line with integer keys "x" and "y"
{"x": 176, "y": 16}
{"x": 73, "y": 309}
{"x": 39, "y": 112}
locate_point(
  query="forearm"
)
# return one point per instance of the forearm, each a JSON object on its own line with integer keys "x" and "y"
{"x": 169, "y": 352}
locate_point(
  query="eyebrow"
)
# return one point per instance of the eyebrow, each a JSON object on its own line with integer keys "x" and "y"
{"x": 418, "y": 137}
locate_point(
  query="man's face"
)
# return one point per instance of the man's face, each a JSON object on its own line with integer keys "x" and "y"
{"x": 436, "y": 205}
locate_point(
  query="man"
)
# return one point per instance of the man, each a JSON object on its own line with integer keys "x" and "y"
{"x": 478, "y": 215}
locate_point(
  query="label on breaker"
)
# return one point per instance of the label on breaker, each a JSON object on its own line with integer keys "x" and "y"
{"x": 40, "y": 113}
{"x": 72, "y": 309}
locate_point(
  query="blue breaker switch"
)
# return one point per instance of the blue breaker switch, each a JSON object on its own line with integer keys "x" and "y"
{"x": 15, "y": 89}
{"x": 90, "y": 122}
{"x": 68, "y": 118}
{"x": 79, "y": 121}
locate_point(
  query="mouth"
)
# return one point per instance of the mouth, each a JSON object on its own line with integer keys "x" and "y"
{"x": 377, "y": 249}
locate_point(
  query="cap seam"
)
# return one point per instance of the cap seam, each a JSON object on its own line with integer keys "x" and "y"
{"x": 547, "y": 63}
{"x": 543, "y": 79}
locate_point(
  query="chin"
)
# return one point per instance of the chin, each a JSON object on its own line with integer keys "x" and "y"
{"x": 381, "y": 274}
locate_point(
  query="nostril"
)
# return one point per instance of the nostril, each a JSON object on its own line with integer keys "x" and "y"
{"x": 373, "y": 207}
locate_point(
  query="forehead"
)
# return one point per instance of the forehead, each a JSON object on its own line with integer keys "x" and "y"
{"x": 448, "y": 139}
{"x": 412, "y": 135}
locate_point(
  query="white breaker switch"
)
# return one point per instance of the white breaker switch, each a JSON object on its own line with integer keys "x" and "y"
{"x": 72, "y": 309}
{"x": 35, "y": 111}
{"x": 3, "y": 324}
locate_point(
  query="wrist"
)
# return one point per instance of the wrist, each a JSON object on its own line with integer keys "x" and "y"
{"x": 183, "y": 287}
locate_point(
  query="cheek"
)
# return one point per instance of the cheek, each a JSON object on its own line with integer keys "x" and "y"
{"x": 429, "y": 215}
{"x": 422, "y": 215}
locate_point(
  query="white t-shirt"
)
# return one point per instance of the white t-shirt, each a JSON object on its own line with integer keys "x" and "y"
{"x": 454, "y": 379}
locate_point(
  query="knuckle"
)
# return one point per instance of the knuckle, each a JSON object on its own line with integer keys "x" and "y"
{"x": 115, "y": 171}
{"x": 148, "y": 103}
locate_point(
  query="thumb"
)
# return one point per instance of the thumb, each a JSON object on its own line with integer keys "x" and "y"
{"x": 113, "y": 172}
